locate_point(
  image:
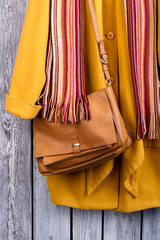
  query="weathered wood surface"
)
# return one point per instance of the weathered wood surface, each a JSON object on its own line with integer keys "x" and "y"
{"x": 15, "y": 135}
{"x": 122, "y": 225}
{"x": 87, "y": 224}
{"x": 26, "y": 211}
{"x": 151, "y": 224}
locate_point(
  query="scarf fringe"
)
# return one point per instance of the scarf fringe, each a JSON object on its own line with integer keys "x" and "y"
{"x": 154, "y": 131}
{"x": 72, "y": 112}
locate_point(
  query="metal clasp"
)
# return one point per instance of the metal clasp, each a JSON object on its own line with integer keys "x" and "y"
{"x": 76, "y": 145}
{"x": 104, "y": 62}
{"x": 109, "y": 81}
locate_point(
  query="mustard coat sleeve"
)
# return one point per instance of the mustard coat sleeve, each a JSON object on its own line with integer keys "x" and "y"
{"x": 29, "y": 71}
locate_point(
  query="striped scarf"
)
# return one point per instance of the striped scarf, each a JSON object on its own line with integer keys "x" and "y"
{"x": 141, "y": 18}
{"x": 63, "y": 96}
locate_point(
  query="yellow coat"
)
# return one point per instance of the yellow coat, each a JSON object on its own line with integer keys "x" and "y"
{"x": 128, "y": 183}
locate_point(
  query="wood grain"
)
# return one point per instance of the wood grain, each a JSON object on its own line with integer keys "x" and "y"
{"x": 15, "y": 135}
{"x": 87, "y": 225}
{"x": 122, "y": 226}
{"x": 151, "y": 224}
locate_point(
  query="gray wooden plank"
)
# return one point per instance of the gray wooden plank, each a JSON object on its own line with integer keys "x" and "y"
{"x": 122, "y": 226}
{"x": 151, "y": 224}
{"x": 15, "y": 135}
{"x": 87, "y": 224}
{"x": 51, "y": 222}
{"x": 15, "y": 175}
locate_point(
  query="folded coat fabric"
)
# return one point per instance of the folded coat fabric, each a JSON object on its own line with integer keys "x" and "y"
{"x": 128, "y": 183}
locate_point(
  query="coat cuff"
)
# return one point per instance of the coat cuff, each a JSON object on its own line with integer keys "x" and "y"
{"x": 20, "y": 108}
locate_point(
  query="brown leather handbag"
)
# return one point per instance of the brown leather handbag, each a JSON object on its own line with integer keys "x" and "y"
{"x": 71, "y": 147}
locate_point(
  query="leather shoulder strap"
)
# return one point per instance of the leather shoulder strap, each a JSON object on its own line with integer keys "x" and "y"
{"x": 100, "y": 43}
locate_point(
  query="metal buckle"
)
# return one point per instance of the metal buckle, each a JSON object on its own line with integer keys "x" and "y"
{"x": 76, "y": 145}
{"x": 104, "y": 62}
{"x": 109, "y": 82}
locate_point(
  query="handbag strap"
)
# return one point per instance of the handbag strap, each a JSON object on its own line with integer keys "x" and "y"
{"x": 100, "y": 43}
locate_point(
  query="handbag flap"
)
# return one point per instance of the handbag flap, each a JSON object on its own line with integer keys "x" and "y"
{"x": 82, "y": 156}
{"x": 57, "y": 139}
